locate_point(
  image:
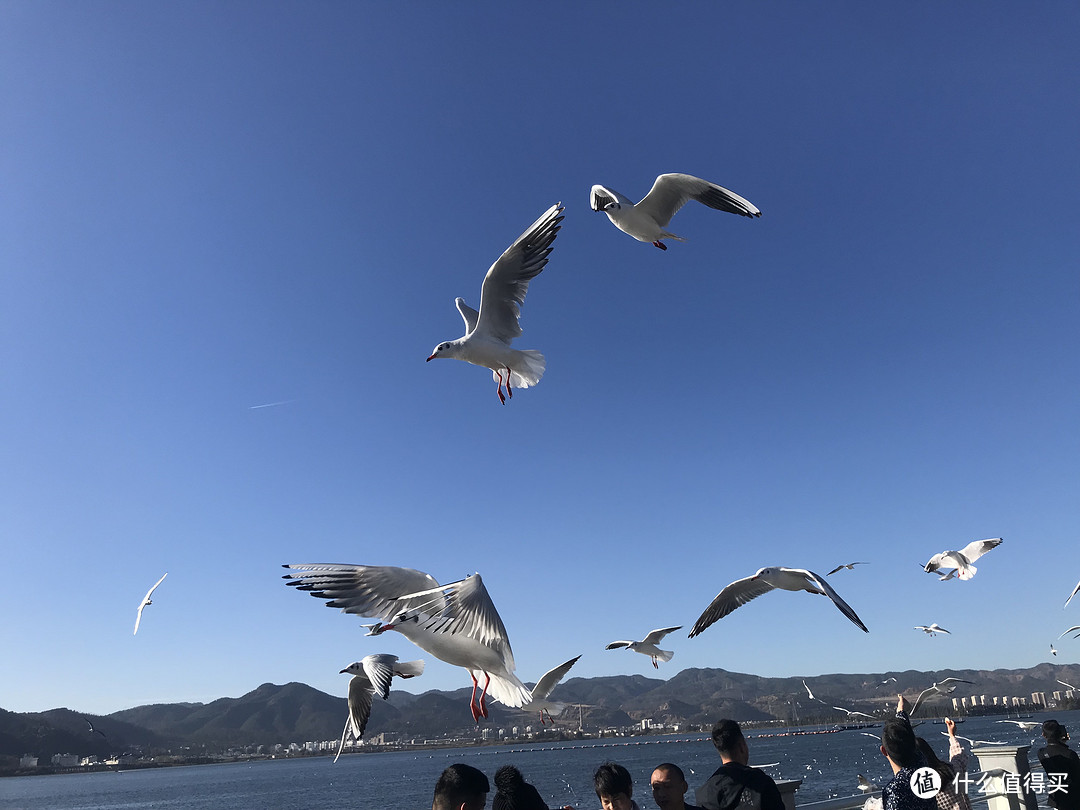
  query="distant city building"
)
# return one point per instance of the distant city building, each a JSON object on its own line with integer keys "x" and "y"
{"x": 65, "y": 760}
{"x": 28, "y": 761}
{"x": 1038, "y": 699}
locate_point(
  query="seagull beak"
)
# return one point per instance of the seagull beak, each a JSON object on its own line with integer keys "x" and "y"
{"x": 430, "y": 358}
{"x": 343, "y": 672}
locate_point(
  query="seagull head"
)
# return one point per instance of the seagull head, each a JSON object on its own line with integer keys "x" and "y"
{"x": 612, "y": 206}
{"x": 449, "y": 348}
{"x": 763, "y": 572}
{"x": 355, "y": 668}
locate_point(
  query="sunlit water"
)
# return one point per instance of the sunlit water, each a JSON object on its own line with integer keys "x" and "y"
{"x": 827, "y": 764}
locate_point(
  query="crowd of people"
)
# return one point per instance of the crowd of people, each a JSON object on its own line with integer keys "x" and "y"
{"x": 737, "y": 786}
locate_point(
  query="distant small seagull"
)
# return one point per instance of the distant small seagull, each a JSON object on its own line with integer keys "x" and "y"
{"x": 542, "y": 691}
{"x": 146, "y": 601}
{"x": 647, "y": 646}
{"x": 741, "y": 591}
{"x": 864, "y": 784}
{"x": 371, "y": 676}
{"x": 1071, "y": 629}
{"x": 962, "y": 560}
{"x": 1071, "y": 595}
{"x": 647, "y": 221}
{"x": 937, "y": 689}
{"x": 875, "y": 736}
{"x": 848, "y": 566}
{"x": 1052, "y": 650}
{"x": 811, "y": 694}
{"x": 1069, "y": 685}
{"x": 887, "y": 680}
{"x": 489, "y": 332}
{"x": 1025, "y": 725}
{"x": 971, "y": 741}
{"x": 931, "y": 629}
{"x": 92, "y": 730}
{"x": 852, "y": 713}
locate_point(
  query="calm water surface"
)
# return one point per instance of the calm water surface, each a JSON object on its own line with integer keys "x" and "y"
{"x": 827, "y": 764}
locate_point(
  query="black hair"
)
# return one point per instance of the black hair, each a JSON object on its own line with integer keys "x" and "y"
{"x": 1054, "y": 732}
{"x": 670, "y": 766}
{"x": 727, "y": 736}
{"x": 611, "y": 779}
{"x": 945, "y": 769}
{"x": 899, "y": 742}
{"x": 459, "y": 784}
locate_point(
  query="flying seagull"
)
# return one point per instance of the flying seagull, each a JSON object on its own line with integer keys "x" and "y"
{"x": 648, "y": 220}
{"x": 848, "y": 566}
{"x": 937, "y": 689}
{"x": 811, "y": 694}
{"x": 931, "y": 629}
{"x": 146, "y": 601}
{"x": 1071, "y": 595}
{"x": 1069, "y": 685}
{"x": 457, "y": 622}
{"x": 741, "y": 591}
{"x": 92, "y": 730}
{"x": 1052, "y": 650}
{"x": 893, "y": 679}
{"x": 864, "y": 784}
{"x": 488, "y": 333}
{"x": 962, "y": 560}
{"x": 540, "y": 693}
{"x": 371, "y": 675}
{"x": 1024, "y": 725}
{"x": 852, "y": 713}
{"x": 647, "y": 646}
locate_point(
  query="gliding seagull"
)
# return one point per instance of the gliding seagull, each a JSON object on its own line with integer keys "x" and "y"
{"x": 488, "y": 333}
{"x": 936, "y": 689}
{"x": 931, "y": 629}
{"x": 741, "y": 591}
{"x": 848, "y": 566}
{"x": 962, "y": 560}
{"x": 647, "y": 646}
{"x": 146, "y": 601}
{"x": 457, "y": 623}
{"x": 647, "y": 221}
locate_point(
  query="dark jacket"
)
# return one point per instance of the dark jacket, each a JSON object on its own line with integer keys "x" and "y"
{"x": 739, "y": 787}
{"x": 1060, "y": 759}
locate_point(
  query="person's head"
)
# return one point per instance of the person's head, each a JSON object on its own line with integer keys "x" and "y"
{"x": 668, "y": 786}
{"x": 512, "y": 792}
{"x": 933, "y": 761}
{"x": 613, "y": 785}
{"x": 729, "y": 741}
{"x": 898, "y": 743}
{"x": 1054, "y": 732}
{"x": 461, "y": 787}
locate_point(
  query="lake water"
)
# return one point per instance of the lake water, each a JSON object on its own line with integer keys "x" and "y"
{"x": 827, "y": 764}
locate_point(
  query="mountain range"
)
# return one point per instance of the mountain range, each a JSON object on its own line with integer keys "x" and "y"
{"x": 295, "y": 712}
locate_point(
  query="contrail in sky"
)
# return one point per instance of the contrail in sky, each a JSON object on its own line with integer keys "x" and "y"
{"x": 271, "y": 404}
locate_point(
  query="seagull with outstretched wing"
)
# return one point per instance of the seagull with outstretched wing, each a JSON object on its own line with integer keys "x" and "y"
{"x": 647, "y": 646}
{"x": 741, "y": 591}
{"x": 457, "y": 622}
{"x": 489, "y": 332}
{"x": 146, "y": 602}
{"x": 371, "y": 676}
{"x": 647, "y": 220}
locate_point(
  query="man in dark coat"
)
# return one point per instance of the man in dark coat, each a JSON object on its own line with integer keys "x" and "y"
{"x": 735, "y": 785}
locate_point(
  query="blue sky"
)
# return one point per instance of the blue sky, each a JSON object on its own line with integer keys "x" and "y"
{"x": 208, "y": 207}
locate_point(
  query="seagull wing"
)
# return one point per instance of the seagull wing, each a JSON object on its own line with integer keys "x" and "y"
{"x": 470, "y": 611}
{"x": 149, "y": 592}
{"x": 468, "y": 314}
{"x": 1074, "y": 627}
{"x": 835, "y": 570}
{"x": 920, "y": 698}
{"x": 146, "y": 601}
{"x": 671, "y": 192}
{"x": 138, "y": 618}
{"x": 507, "y": 280}
{"x": 735, "y": 595}
{"x": 656, "y": 636}
{"x": 972, "y": 551}
{"x": 367, "y": 590}
{"x": 550, "y": 679}
{"x": 954, "y": 680}
{"x": 359, "y": 704}
{"x": 379, "y": 669}
{"x": 617, "y": 644}
{"x": 600, "y": 196}
{"x": 844, "y": 607}
{"x": 1071, "y": 595}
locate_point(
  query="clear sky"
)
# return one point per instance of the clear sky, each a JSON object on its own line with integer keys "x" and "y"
{"x": 208, "y": 207}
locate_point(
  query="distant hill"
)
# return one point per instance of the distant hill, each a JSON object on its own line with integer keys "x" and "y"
{"x": 296, "y": 712}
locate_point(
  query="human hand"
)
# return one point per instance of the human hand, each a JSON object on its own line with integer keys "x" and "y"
{"x": 950, "y": 725}
{"x": 901, "y": 703}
